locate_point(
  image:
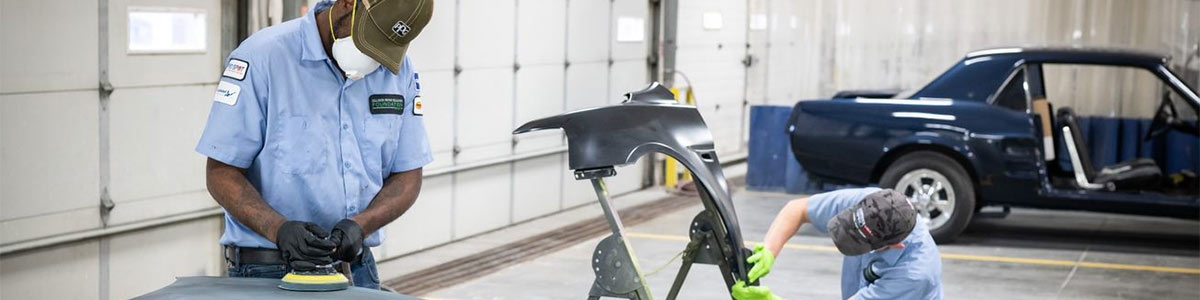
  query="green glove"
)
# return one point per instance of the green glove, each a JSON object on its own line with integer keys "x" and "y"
{"x": 763, "y": 260}
{"x": 743, "y": 292}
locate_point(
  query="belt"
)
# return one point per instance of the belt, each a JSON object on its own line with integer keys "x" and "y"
{"x": 263, "y": 256}
{"x": 255, "y": 256}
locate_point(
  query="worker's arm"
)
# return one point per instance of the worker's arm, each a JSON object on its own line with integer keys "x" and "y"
{"x": 794, "y": 214}
{"x": 398, "y": 194}
{"x": 229, "y": 186}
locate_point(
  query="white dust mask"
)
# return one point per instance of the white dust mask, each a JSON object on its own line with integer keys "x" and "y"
{"x": 352, "y": 61}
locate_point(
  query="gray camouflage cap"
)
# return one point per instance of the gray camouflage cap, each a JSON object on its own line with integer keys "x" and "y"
{"x": 881, "y": 219}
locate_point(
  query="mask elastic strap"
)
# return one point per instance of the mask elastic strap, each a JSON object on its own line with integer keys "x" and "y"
{"x": 353, "y": 11}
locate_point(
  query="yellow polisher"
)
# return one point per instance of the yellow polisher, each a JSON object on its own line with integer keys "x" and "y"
{"x": 321, "y": 279}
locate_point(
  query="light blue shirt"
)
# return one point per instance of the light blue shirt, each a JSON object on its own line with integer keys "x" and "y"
{"x": 914, "y": 272}
{"x": 318, "y": 147}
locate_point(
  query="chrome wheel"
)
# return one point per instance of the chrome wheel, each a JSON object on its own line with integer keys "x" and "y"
{"x": 931, "y": 194}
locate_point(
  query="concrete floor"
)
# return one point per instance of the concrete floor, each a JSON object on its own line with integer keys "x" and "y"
{"x": 1031, "y": 254}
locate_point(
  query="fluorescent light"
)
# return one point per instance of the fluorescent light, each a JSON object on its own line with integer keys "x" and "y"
{"x": 994, "y": 51}
{"x": 921, "y": 115}
{"x": 922, "y": 102}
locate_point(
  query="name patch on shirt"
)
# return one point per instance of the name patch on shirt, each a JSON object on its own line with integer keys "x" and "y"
{"x": 227, "y": 93}
{"x": 236, "y": 69}
{"x": 387, "y": 104}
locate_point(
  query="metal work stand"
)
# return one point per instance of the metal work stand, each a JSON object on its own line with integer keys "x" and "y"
{"x": 703, "y": 249}
{"x": 617, "y": 271}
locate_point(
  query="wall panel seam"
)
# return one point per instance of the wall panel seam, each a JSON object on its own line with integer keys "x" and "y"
{"x": 35, "y": 92}
{"x": 512, "y": 167}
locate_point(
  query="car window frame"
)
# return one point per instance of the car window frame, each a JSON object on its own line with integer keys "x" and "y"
{"x": 1024, "y": 70}
{"x": 1036, "y": 88}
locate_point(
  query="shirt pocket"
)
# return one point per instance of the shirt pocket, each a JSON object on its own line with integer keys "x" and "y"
{"x": 381, "y": 134}
{"x": 302, "y": 145}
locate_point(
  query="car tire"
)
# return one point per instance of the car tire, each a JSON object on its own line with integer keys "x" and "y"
{"x": 936, "y": 184}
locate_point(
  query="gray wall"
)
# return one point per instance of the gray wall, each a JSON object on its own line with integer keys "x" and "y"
{"x": 62, "y": 149}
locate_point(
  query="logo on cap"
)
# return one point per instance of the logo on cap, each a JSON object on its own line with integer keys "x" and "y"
{"x": 861, "y": 222}
{"x": 401, "y": 29}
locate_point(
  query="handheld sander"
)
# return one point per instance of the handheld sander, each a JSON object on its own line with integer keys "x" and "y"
{"x": 321, "y": 279}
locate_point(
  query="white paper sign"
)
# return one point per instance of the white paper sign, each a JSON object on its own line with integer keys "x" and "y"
{"x": 713, "y": 21}
{"x": 630, "y": 29}
{"x": 758, "y": 22}
{"x": 166, "y": 30}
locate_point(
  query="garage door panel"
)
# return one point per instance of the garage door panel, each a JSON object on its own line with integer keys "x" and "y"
{"x": 134, "y": 210}
{"x": 432, "y": 50}
{"x": 485, "y": 114}
{"x": 480, "y": 152}
{"x": 587, "y": 85}
{"x": 427, "y": 223}
{"x": 131, "y": 69}
{"x": 718, "y": 80}
{"x": 142, "y": 116}
{"x": 486, "y": 35}
{"x": 437, "y": 98}
{"x": 536, "y": 187}
{"x": 541, "y": 32}
{"x": 482, "y": 200}
{"x": 587, "y": 31}
{"x": 725, "y": 124}
{"x": 51, "y": 140}
{"x": 130, "y": 254}
{"x": 539, "y": 93}
{"x": 691, "y": 30}
{"x": 28, "y": 66}
{"x": 73, "y": 265}
{"x": 49, "y": 224}
{"x": 627, "y": 76}
{"x": 631, "y": 10}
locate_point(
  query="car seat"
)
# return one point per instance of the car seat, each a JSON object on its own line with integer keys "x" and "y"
{"x": 1136, "y": 174}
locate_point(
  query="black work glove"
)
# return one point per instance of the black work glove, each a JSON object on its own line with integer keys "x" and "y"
{"x": 303, "y": 245}
{"x": 349, "y": 239}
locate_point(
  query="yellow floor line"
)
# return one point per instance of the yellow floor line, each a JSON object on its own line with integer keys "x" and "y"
{"x": 964, "y": 257}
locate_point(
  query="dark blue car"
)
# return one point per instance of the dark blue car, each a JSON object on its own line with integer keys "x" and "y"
{"x": 1045, "y": 128}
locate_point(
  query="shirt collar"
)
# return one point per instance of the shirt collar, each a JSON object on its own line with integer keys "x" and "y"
{"x": 313, "y": 48}
{"x": 911, "y": 241}
{"x": 891, "y": 256}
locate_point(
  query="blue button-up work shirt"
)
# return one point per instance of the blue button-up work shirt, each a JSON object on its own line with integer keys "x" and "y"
{"x": 914, "y": 272}
{"x": 317, "y": 146}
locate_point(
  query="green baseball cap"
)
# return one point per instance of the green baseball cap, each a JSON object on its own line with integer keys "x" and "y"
{"x": 384, "y": 29}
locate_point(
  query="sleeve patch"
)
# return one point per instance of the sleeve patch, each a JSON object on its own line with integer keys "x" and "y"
{"x": 236, "y": 69}
{"x": 418, "y": 109}
{"x": 227, "y": 93}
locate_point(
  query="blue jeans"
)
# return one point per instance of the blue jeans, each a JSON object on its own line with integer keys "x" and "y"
{"x": 364, "y": 272}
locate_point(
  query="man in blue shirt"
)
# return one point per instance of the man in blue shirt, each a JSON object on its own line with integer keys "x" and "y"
{"x": 889, "y": 252}
{"x": 315, "y": 139}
